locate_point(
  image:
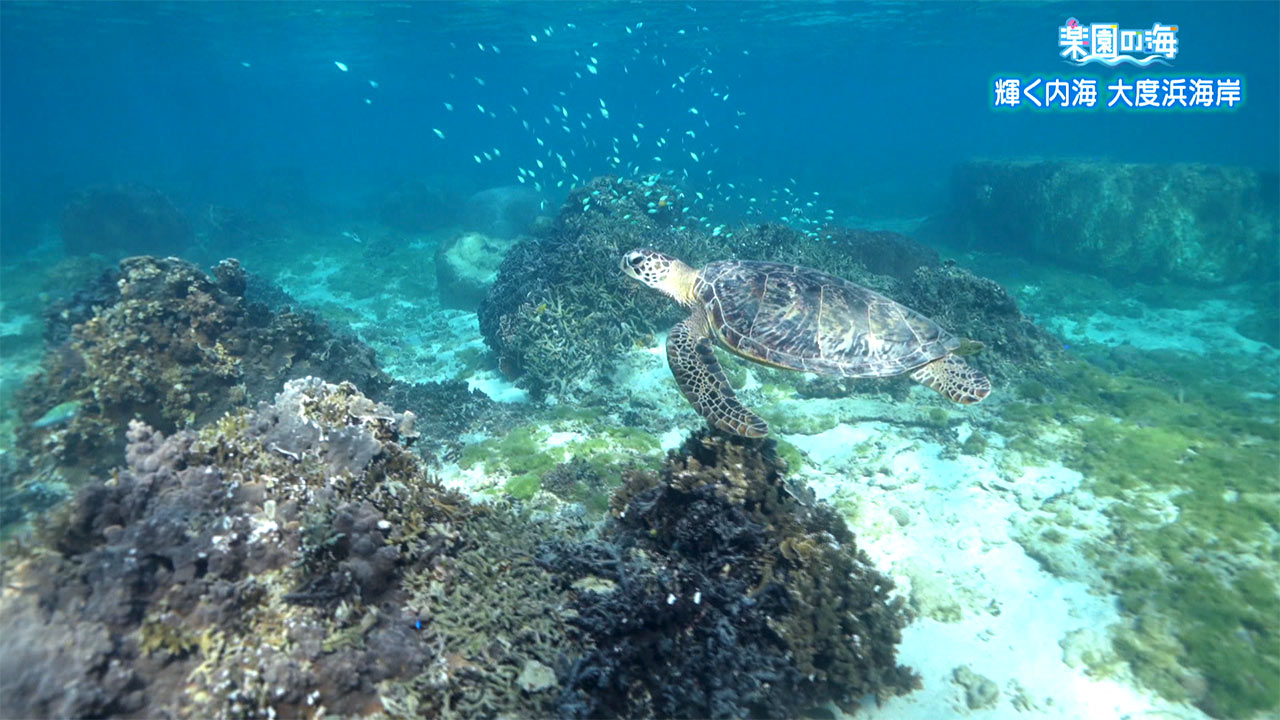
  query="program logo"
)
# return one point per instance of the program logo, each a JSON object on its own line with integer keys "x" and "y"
{"x": 1107, "y": 44}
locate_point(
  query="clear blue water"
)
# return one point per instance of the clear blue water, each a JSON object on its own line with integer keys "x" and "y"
{"x": 868, "y": 104}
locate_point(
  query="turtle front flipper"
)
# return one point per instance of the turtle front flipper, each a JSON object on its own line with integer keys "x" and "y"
{"x": 693, "y": 362}
{"x": 954, "y": 379}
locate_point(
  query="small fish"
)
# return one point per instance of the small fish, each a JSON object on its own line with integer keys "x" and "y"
{"x": 593, "y": 70}
{"x": 245, "y": 64}
{"x": 341, "y": 65}
{"x": 373, "y": 84}
{"x": 693, "y": 110}
{"x": 448, "y": 106}
{"x": 58, "y": 414}
{"x": 480, "y": 81}
{"x": 438, "y": 133}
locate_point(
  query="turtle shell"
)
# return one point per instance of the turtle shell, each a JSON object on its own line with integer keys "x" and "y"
{"x": 802, "y": 319}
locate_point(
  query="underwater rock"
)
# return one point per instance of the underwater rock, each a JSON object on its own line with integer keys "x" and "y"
{"x": 981, "y": 309}
{"x": 1202, "y": 224}
{"x": 932, "y": 594}
{"x": 248, "y": 569}
{"x": 466, "y": 266}
{"x": 560, "y": 310}
{"x": 726, "y": 597}
{"x": 124, "y": 219}
{"x": 979, "y": 691}
{"x": 502, "y": 212}
{"x": 414, "y": 206}
{"x": 160, "y": 340}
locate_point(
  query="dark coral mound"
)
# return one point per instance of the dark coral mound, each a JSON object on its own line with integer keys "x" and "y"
{"x": 449, "y": 409}
{"x": 1203, "y": 224}
{"x": 560, "y": 309}
{"x": 561, "y": 312}
{"x": 162, "y": 341}
{"x": 717, "y": 593}
{"x": 124, "y": 220}
{"x": 287, "y": 561}
{"x": 979, "y": 308}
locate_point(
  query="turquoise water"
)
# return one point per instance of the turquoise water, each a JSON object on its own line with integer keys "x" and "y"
{"x": 430, "y": 201}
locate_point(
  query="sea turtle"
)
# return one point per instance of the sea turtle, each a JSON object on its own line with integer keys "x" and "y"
{"x": 795, "y": 318}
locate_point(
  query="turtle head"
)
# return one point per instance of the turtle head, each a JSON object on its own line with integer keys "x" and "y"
{"x": 661, "y": 272}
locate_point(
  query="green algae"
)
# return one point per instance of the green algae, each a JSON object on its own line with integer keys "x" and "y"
{"x": 525, "y": 457}
{"x": 793, "y": 455}
{"x": 523, "y": 487}
{"x": 975, "y": 444}
{"x": 1192, "y": 468}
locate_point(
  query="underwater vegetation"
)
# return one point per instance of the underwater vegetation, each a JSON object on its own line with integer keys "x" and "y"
{"x": 1183, "y": 466}
{"x": 1204, "y": 224}
{"x": 298, "y": 558}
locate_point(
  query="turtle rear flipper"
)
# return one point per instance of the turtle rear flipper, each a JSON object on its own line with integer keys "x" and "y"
{"x": 697, "y": 371}
{"x": 954, "y": 379}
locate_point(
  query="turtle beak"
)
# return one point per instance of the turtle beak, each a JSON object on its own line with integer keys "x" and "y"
{"x": 631, "y": 263}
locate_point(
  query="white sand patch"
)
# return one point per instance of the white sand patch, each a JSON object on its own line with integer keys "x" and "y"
{"x": 497, "y": 387}
{"x": 1208, "y": 328}
{"x": 13, "y": 324}
{"x": 982, "y": 601}
{"x": 559, "y": 439}
{"x": 672, "y": 439}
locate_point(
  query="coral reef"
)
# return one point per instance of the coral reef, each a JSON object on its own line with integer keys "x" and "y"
{"x": 162, "y": 341}
{"x": 124, "y": 220}
{"x": 1185, "y": 223}
{"x": 978, "y": 308}
{"x": 560, "y": 313}
{"x": 448, "y": 410}
{"x": 559, "y": 309}
{"x": 291, "y": 560}
{"x": 296, "y": 559}
{"x": 503, "y": 212}
{"x": 715, "y": 592}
